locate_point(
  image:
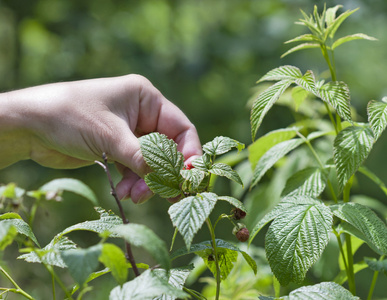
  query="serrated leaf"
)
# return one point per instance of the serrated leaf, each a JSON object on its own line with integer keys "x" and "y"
{"x": 335, "y": 24}
{"x": 114, "y": 259}
{"x": 145, "y": 287}
{"x": 21, "y": 227}
{"x": 377, "y": 265}
{"x": 310, "y": 181}
{"x": 282, "y": 73}
{"x": 8, "y": 233}
{"x": 271, "y": 157}
{"x": 264, "y": 143}
{"x": 141, "y": 236}
{"x": 189, "y": 214}
{"x": 70, "y": 185}
{"x": 234, "y": 202}
{"x": 176, "y": 278}
{"x": 194, "y": 177}
{"x": 224, "y": 170}
{"x": 161, "y": 154}
{"x": 336, "y": 93}
{"x": 330, "y": 14}
{"x": 296, "y": 240}
{"x": 220, "y": 145}
{"x": 352, "y": 37}
{"x": 50, "y": 254}
{"x": 369, "y": 227}
{"x": 107, "y": 221}
{"x": 264, "y": 102}
{"x": 163, "y": 186}
{"x": 301, "y": 47}
{"x": 377, "y": 116}
{"x": 82, "y": 262}
{"x": 321, "y": 291}
{"x": 299, "y": 95}
{"x": 305, "y": 38}
{"x": 307, "y": 81}
{"x": 350, "y": 149}
{"x": 202, "y": 163}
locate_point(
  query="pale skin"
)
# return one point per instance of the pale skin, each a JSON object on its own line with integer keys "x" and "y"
{"x": 69, "y": 125}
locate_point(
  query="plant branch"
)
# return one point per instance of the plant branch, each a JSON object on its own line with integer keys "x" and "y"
{"x": 129, "y": 253}
{"x": 373, "y": 283}
{"x": 18, "y": 289}
{"x": 215, "y": 258}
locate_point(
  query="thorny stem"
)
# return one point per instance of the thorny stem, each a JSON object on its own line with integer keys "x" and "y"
{"x": 211, "y": 229}
{"x": 18, "y": 290}
{"x": 129, "y": 253}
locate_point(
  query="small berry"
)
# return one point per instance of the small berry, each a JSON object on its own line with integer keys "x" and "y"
{"x": 238, "y": 214}
{"x": 188, "y": 166}
{"x": 243, "y": 234}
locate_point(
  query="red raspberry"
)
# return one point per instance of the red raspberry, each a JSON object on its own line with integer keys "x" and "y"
{"x": 243, "y": 234}
{"x": 188, "y": 166}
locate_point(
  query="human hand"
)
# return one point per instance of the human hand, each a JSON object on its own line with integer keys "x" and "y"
{"x": 69, "y": 125}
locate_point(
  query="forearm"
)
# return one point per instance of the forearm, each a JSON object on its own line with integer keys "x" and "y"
{"x": 15, "y": 136}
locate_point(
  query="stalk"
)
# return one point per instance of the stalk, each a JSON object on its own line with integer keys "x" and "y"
{"x": 211, "y": 229}
{"x": 373, "y": 283}
{"x": 18, "y": 289}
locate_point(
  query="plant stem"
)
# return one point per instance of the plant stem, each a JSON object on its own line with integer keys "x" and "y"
{"x": 53, "y": 287}
{"x": 373, "y": 283}
{"x": 215, "y": 257}
{"x": 129, "y": 253}
{"x": 18, "y": 290}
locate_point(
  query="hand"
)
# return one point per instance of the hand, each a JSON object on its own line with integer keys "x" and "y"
{"x": 70, "y": 125}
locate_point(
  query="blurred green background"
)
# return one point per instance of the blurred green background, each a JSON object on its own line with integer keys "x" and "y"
{"x": 205, "y": 56}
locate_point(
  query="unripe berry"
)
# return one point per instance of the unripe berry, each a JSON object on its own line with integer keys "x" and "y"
{"x": 238, "y": 214}
{"x": 241, "y": 232}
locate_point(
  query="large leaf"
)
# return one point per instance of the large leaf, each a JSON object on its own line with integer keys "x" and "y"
{"x": 162, "y": 185}
{"x": 264, "y": 143}
{"x": 193, "y": 177}
{"x": 352, "y": 37}
{"x": 225, "y": 170}
{"x": 221, "y": 145}
{"x": 272, "y": 156}
{"x": 18, "y": 223}
{"x": 307, "y": 82}
{"x": 321, "y": 291}
{"x": 82, "y": 262}
{"x": 377, "y": 116}
{"x": 141, "y": 236}
{"x": 296, "y": 239}
{"x": 336, "y": 94}
{"x": 71, "y": 185}
{"x": 282, "y": 73}
{"x": 364, "y": 224}
{"x": 310, "y": 181}
{"x": 176, "y": 278}
{"x": 107, "y": 221}
{"x": 146, "y": 287}
{"x": 51, "y": 253}
{"x": 264, "y": 102}
{"x": 351, "y": 147}
{"x": 7, "y": 234}
{"x": 114, "y": 259}
{"x": 203, "y": 163}
{"x": 189, "y": 214}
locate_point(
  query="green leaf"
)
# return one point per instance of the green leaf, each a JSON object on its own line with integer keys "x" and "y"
{"x": 330, "y": 14}
{"x": 342, "y": 277}
{"x": 234, "y": 202}
{"x": 305, "y": 38}
{"x": 21, "y": 227}
{"x": 189, "y": 214}
{"x": 141, "y": 236}
{"x": 106, "y": 222}
{"x": 224, "y": 170}
{"x": 8, "y": 233}
{"x": 301, "y": 47}
{"x": 335, "y": 24}
{"x": 161, "y": 154}
{"x": 51, "y": 253}
{"x": 321, "y": 291}
{"x": 299, "y": 95}
{"x": 310, "y": 181}
{"x": 352, "y": 37}
{"x": 364, "y": 224}
{"x": 114, "y": 259}
{"x": 282, "y": 73}
{"x": 351, "y": 147}
{"x": 377, "y": 116}
{"x": 336, "y": 93}
{"x": 202, "y": 163}
{"x": 264, "y": 102}
{"x": 271, "y": 157}
{"x": 71, "y": 185}
{"x": 91, "y": 277}
{"x": 176, "y": 278}
{"x": 11, "y": 191}
{"x": 163, "y": 186}
{"x": 377, "y": 265}
{"x": 374, "y": 178}
{"x": 82, "y": 262}
{"x": 264, "y": 143}
{"x": 220, "y": 145}
{"x": 297, "y": 238}
{"x": 194, "y": 177}
{"x": 145, "y": 287}
{"x": 307, "y": 82}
